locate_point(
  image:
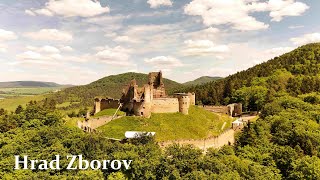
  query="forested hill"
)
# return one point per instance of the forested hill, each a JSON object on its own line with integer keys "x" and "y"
{"x": 110, "y": 86}
{"x": 16, "y": 84}
{"x": 295, "y": 73}
{"x": 202, "y": 80}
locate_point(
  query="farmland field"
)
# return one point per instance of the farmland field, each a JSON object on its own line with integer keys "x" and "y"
{"x": 4, "y": 92}
{"x": 12, "y": 103}
{"x": 10, "y": 98}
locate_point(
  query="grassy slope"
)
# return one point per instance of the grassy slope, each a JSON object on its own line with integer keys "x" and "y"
{"x": 198, "y": 124}
{"x": 11, "y": 104}
{"x": 108, "y": 112}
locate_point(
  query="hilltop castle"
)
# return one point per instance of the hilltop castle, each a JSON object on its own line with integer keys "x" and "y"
{"x": 151, "y": 98}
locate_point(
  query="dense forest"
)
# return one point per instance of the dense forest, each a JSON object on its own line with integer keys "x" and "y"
{"x": 296, "y": 72}
{"x": 284, "y": 143}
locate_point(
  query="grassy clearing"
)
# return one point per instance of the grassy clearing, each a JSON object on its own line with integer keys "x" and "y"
{"x": 72, "y": 122}
{"x": 171, "y": 126}
{"x": 109, "y": 112}
{"x": 12, "y": 103}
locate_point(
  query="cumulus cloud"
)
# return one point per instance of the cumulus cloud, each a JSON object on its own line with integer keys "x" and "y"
{"x": 7, "y": 35}
{"x": 216, "y": 12}
{"x": 204, "y": 48}
{"x": 158, "y": 3}
{"x": 164, "y": 62}
{"x": 306, "y": 38}
{"x": 237, "y": 12}
{"x": 114, "y": 56}
{"x": 282, "y": 8}
{"x": 70, "y": 8}
{"x": 50, "y": 35}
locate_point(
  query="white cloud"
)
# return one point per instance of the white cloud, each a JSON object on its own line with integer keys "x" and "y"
{"x": 278, "y": 51}
{"x": 208, "y": 33}
{"x": 50, "y": 35}
{"x": 237, "y": 12}
{"x": 158, "y": 3}
{"x": 295, "y": 27}
{"x": 117, "y": 56}
{"x": 3, "y": 48}
{"x": 216, "y": 12}
{"x": 164, "y": 62}
{"x": 29, "y": 12}
{"x": 204, "y": 48}
{"x": 282, "y": 8}
{"x": 70, "y": 8}
{"x": 125, "y": 39}
{"x": 44, "y": 49}
{"x": 29, "y": 55}
{"x": 44, "y": 12}
{"x": 66, "y": 48}
{"x": 306, "y": 38}
{"x": 7, "y": 35}
{"x": 110, "y": 34}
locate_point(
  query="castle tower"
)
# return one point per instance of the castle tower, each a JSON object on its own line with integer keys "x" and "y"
{"x": 157, "y": 85}
{"x": 184, "y": 103}
{"x": 192, "y": 97}
{"x": 97, "y": 105}
{"x": 143, "y": 108}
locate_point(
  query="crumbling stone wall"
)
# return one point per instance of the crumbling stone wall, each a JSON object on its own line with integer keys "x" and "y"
{"x": 91, "y": 124}
{"x": 235, "y": 109}
{"x": 225, "y": 138}
{"x": 105, "y": 103}
{"x": 165, "y": 105}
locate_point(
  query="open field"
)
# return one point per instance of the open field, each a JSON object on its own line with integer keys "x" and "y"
{"x": 171, "y": 126}
{"x": 27, "y": 91}
{"x": 12, "y": 103}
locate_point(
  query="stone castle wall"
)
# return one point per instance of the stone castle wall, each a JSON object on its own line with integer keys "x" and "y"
{"x": 93, "y": 123}
{"x": 165, "y": 105}
{"x": 102, "y": 104}
{"x": 225, "y": 138}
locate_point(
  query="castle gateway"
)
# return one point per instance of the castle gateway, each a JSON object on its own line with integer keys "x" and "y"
{"x": 151, "y": 98}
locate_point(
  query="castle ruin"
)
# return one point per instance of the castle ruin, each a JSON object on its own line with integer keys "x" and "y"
{"x": 151, "y": 98}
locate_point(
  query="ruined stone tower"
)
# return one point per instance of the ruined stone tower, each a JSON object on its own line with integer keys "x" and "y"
{"x": 184, "y": 102}
{"x": 157, "y": 85}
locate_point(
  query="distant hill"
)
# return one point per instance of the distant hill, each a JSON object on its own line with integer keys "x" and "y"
{"x": 110, "y": 86}
{"x": 16, "y": 84}
{"x": 202, "y": 80}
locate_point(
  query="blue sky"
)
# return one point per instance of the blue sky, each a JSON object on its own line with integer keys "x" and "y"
{"x": 80, "y": 41}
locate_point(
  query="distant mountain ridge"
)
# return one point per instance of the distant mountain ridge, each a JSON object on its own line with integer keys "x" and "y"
{"x": 17, "y": 84}
{"x": 202, "y": 80}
